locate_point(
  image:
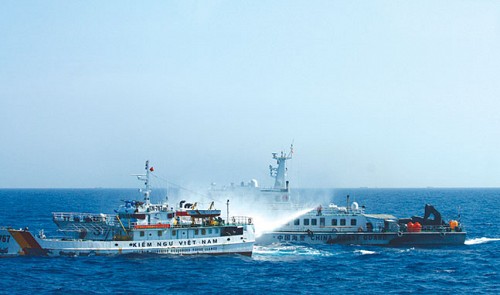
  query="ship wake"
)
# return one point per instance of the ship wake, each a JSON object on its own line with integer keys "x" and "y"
{"x": 279, "y": 251}
{"x": 483, "y": 240}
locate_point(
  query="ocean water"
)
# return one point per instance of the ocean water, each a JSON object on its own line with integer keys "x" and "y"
{"x": 301, "y": 269}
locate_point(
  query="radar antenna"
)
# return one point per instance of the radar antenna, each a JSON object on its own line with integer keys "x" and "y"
{"x": 279, "y": 172}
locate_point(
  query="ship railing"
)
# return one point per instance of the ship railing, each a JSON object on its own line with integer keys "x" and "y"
{"x": 435, "y": 228}
{"x": 196, "y": 224}
{"x": 240, "y": 220}
{"x": 78, "y": 217}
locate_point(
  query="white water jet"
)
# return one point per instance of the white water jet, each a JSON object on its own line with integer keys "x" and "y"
{"x": 269, "y": 222}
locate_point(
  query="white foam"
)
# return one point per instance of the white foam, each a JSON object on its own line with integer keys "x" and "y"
{"x": 282, "y": 250}
{"x": 365, "y": 252}
{"x": 406, "y": 250}
{"x": 482, "y": 240}
{"x": 446, "y": 270}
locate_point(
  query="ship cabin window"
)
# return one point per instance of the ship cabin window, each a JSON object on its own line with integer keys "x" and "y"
{"x": 334, "y": 222}
{"x": 314, "y": 221}
{"x": 209, "y": 231}
{"x": 306, "y": 221}
{"x": 141, "y": 233}
{"x": 196, "y": 232}
{"x": 353, "y": 221}
{"x": 296, "y": 222}
{"x": 174, "y": 232}
{"x": 322, "y": 222}
{"x": 216, "y": 230}
{"x": 203, "y": 231}
{"x": 342, "y": 221}
{"x": 160, "y": 233}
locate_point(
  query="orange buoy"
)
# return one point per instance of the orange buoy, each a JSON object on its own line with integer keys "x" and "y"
{"x": 410, "y": 226}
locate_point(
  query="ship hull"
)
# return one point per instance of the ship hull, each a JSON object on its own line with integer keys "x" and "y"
{"x": 20, "y": 242}
{"x": 365, "y": 238}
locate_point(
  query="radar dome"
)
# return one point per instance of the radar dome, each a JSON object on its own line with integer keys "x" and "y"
{"x": 254, "y": 183}
{"x": 354, "y": 206}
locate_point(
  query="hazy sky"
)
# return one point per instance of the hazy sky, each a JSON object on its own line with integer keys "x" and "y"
{"x": 373, "y": 93}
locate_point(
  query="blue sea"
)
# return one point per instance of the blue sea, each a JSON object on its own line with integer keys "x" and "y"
{"x": 471, "y": 268}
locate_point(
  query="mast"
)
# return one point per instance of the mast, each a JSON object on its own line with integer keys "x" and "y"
{"x": 146, "y": 191}
{"x": 279, "y": 173}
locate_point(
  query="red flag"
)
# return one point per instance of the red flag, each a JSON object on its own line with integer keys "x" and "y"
{"x": 151, "y": 169}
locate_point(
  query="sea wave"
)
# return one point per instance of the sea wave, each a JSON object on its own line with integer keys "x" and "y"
{"x": 365, "y": 252}
{"x": 288, "y": 250}
{"x": 445, "y": 271}
{"x": 406, "y": 250}
{"x": 482, "y": 240}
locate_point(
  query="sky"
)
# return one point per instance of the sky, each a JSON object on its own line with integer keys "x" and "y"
{"x": 371, "y": 93}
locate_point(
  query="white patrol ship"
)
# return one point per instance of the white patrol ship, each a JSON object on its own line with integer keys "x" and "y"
{"x": 137, "y": 227}
{"x": 351, "y": 225}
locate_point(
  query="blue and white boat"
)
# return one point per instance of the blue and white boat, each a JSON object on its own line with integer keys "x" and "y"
{"x": 137, "y": 227}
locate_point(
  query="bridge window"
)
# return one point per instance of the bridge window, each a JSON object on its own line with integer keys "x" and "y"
{"x": 210, "y": 231}
{"x": 160, "y": 233}
{"x": 314, "y": 221}
{"x": 196, "y": 231}
{"x": 203, "y": 231}
{"x": 306, "y": 221}
{"x": 334, "y": 222}
{"x": 322, "y": 222}
{"x": 141, "y": 233}
{"x": 174, "y": 232}
{"x": 342, "y": 221}
{"x": 353, "y": 221}
{"x": 296, "y": 222}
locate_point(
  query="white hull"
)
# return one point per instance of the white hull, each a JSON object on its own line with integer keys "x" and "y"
{"x": 18, "y": 242}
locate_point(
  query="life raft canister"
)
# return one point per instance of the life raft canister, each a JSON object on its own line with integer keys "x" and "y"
{"x": 453, "y": 224}
{"x": 417, "y": 227}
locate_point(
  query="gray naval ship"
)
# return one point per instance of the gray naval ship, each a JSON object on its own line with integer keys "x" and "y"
{"x": 276, "y": 199}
